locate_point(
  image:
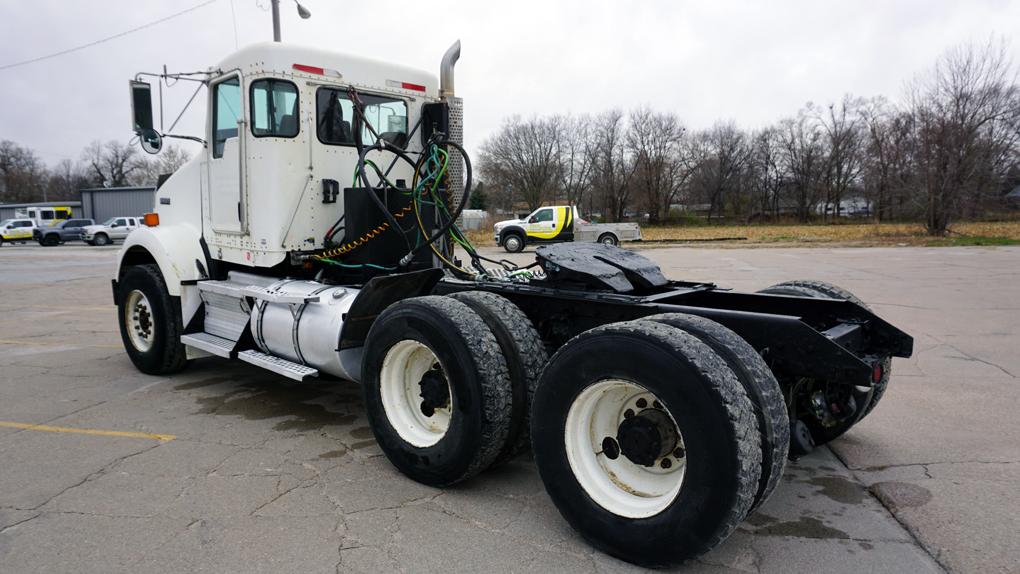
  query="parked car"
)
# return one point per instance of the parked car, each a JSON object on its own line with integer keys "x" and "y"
{"x": 111, "y": 230}
{"x": 19, "y": 230}
{"x": 69, "y": 230}
{"x": 557, "y": 224}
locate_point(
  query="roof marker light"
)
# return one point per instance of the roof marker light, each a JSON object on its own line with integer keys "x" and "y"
{"x": 316, "y": 70}
{"x": 405, "y": 85}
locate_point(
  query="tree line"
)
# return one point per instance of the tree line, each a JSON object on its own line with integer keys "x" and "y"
{"x": 949, "y": 149}
{"x": 25, "y": 178}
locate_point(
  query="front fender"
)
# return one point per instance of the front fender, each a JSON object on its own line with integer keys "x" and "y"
{"x": 174, "y": 248}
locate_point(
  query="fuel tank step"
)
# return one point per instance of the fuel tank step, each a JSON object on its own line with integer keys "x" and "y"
{"x": 209, "y": 343}
{"x": 279, "y": 366}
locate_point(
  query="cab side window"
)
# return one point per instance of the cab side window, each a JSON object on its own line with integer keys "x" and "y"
{"x": 274, "y": 109}
{"x": 226, "y": 112}
{"x": 543, "y": 215}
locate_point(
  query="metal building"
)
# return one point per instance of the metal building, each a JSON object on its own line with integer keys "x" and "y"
{"x": 8, "y": 210}
{"x": 102, "y": 203}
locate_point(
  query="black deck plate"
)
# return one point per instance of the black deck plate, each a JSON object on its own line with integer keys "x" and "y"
{"x": 600, "y": 266}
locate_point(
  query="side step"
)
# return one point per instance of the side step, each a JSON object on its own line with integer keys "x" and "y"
{"x": 209, "y": 343}
{"x": 277, "y": 365}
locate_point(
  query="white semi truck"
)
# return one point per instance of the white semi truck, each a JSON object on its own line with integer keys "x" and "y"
{"x": 315, "y": 236}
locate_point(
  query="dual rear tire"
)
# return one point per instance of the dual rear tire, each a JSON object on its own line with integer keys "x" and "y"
{"x": 656, "y": 438}
{"x": 448, "y": 383}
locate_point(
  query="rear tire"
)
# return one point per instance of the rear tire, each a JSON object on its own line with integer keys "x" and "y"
{"x": 437, "y": 390}
{"x": 525, "y": 356}
{"x": 150, "y": 321}
{"x": 759, "y": 384}
{"x": 608, "y": 493}
{"x": 513, "y": 243}
{"x": 810, "y": 288}
{"x": 609, "y": 239}
{"x": 100, "y": 239}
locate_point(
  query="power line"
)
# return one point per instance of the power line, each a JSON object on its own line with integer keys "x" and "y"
{"x": 107, "y": 39}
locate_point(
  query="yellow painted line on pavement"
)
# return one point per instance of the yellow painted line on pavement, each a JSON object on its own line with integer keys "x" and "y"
{"x": 48, "y": 344}
{"x": 123, "y": 434}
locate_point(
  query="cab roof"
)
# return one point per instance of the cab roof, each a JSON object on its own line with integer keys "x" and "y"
{"x": 313, "y": 63}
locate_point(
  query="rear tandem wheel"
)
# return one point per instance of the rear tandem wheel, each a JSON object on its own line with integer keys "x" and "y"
{"x": 654, "y": 459}
{"x": 827, "y": 429}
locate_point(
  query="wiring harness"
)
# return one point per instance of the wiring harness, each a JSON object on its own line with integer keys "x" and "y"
{"x": 428, "y": 188}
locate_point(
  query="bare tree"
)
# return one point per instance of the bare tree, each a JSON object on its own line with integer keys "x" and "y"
{"x": 661, "y": 167}
{"x": 844, "y": 142}
{"x": 723, "y": 156}
{"x": 612, "y": 167}
{"x": 22, "y": 174}
{"x": 965, "y": 117}
{"x": 765, "y": 174}
{"x": 111, "y": 164}
{"x": 522, "y": 158}
{"x": 803, "y": 160}
{"x": 169, "y": 160}
{"x": 575, "y": 160}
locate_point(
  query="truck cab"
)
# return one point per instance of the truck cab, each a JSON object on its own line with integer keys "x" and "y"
{"x": 45, "y": 216}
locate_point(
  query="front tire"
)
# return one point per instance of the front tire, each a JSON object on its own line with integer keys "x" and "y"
{"x": 437, "y": 390}
{"x": 50, "y": 241}
{"x": 150, "y": 321}
{"x": 646, "y": 442}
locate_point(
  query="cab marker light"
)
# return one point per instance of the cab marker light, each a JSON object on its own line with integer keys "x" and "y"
{"x": 405, "y": 85}
{"x": 316, "y": 70}
{"x": 151, "y": 219}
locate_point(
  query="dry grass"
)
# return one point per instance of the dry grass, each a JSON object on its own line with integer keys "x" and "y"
{"x": 862, "y": 234}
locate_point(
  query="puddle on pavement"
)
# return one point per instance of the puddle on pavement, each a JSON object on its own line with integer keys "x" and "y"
{"x": 839, "y": 489}
{"x": 306, "y": 406}
{"x": 804, "y": 527}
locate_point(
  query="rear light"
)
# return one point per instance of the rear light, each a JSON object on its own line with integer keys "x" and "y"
{"x": 877, "y": 372}
{"x": 151, "y": 219}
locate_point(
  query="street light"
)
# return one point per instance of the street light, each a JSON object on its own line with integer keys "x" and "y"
{"x": 301, "y": 10}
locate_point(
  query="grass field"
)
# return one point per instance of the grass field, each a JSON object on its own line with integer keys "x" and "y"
{"x": 857, "y": 234}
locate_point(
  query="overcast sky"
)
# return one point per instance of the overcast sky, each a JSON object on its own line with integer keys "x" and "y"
{"x": 751, "y": 62}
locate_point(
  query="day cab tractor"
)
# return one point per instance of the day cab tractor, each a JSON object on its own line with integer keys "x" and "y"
{"x": 316, "y": 235}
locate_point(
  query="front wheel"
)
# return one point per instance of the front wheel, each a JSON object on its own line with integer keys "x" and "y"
{"x": 646, "y": 441}
{"x": 150, "y": 321}
{"x": 50, "y": 241}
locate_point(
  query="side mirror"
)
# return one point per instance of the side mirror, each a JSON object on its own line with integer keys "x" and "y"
{"x": 151, "y": 141}
{"x": 141, "y": 106}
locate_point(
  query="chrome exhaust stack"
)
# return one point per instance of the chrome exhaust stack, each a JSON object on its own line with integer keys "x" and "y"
{"x": 446, "y": 89}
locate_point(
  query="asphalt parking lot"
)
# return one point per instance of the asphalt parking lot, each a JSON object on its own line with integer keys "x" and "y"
{"x": 228, "y": 468}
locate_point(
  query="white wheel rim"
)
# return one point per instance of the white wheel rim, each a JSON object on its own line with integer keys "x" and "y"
{"x": 400, "y": 388}
{"x": 619, "y": 485}
{"x": 141, "y": 327}
{"x": 513, "y": 243}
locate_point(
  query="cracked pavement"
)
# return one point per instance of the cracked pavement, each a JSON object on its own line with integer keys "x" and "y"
{"x": 269, "y": 475}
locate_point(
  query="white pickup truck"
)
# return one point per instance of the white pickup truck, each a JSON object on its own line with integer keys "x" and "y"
{"x": 113, "y": 229}
{"x": 558, "y": 224}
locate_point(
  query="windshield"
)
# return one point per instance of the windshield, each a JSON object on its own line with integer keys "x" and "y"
{"x": 110, "y": 221}
{"x": 5, "y": 222}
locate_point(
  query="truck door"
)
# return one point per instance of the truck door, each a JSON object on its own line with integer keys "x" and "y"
{"x": 551, "y": 224}
{"x": 226, "y": 157}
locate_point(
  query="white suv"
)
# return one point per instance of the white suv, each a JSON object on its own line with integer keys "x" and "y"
{"x": 113, "y": 229}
